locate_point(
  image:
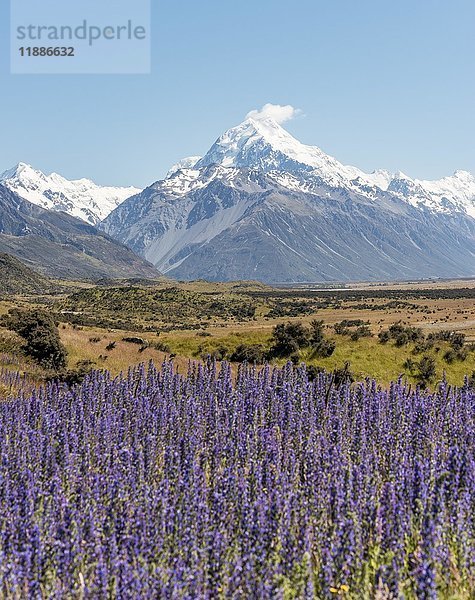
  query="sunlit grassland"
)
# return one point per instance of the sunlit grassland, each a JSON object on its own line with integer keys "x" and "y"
{"x": 367, "y": 357}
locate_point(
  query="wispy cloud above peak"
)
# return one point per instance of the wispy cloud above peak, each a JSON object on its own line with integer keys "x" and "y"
{"x": 278, "y": 112}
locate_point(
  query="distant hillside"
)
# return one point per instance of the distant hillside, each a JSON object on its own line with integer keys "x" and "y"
{"x": 16, "y": 278}
{"x": 61, "y": 246}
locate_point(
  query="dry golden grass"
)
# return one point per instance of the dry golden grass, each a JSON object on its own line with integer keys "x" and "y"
{"x": 119, "y": 359}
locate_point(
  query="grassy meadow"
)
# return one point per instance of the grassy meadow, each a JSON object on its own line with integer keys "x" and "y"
{"x": 189, "y": 321}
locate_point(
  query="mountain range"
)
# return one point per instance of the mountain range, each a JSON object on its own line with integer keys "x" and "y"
{"x": 261, "y": 205}
{"x": 80, "y": 198}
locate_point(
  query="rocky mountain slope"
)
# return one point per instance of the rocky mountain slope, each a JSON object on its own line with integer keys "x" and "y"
{"x": 61, "y": 246}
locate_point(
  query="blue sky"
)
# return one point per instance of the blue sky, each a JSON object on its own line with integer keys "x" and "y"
{"x": 382, "y": 84}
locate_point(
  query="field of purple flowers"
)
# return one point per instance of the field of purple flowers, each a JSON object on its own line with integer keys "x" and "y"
{"x": 265, "y": 485}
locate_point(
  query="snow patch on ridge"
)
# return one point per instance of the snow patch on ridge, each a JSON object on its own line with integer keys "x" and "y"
{"x": 185, "y": 163}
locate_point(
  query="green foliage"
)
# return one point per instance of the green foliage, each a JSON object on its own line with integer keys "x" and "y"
{"x": 219, "y": 354}
{"x": 134, "y": 340}
{"x": 77, "y": 375}
{"x": 403, "y": 335}
{"x": 41, "y": 335}
{"x": 313, "y": 372}
{"x": 455, "y": 354}
{"x": 426, "y": 369}
{"x": 346, "y": 327}
{"x": 316, "y": 332}
{"x": 343, "y": 375}
{"x": 321, "y": 346}
{"x": 140, "y": 309}
{"x": 161, "y": 347}
{"x": 359, "y": 332}
{"x": 250, "y": 353}
{"x": 324, "y": 349}
{"x": 455, "y": 338}
{"x": 288, "y": 338}
{"x": 364, "y": 331}
{"x": 423, "y": 345}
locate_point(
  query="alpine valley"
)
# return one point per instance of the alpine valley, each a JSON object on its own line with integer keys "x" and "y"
{"x": 261, "y": 205}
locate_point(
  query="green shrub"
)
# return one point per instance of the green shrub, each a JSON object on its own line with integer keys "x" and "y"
{"x": 343, "y": 375}
{"x": 253, "y": 354}
{"x": 77, "y": 375}
{"x": 364, "y": 331}
{"x": 313, "y": 372}
{"x": 455, "y": 354}
{"x": 401, "y": 339}
{"x": 161, "y": 347}
{"x": 450, "y": 356}
{"x": 41, "y": 335}
{"x": 220, "y": 353}
{"x": 288, "y": 338}
{"x": 426, "y": 369}
{"x": 324, "y": 349}
{"x": 316, "y": 332}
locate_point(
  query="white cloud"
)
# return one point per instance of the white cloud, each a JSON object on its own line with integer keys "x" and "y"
{"x": 279, "y": 113}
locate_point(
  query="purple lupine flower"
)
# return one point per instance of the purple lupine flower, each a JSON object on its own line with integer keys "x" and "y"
{"x": 154, "y": 485}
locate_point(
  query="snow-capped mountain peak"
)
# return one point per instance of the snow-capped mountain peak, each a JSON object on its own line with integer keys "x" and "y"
{"x": 456, "y": 191}
{"x": 185, "y": 163}
{"x": 264, "y": 145}
{"x": 21, "y": 170}
{"x": 80, "y": 198}
{"x": 261, "y": 205}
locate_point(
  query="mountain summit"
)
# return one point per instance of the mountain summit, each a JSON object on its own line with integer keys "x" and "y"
{"x": 261, "y": 205}
{"x": 261, "y": 143}
{"x": 264, "y": 144}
